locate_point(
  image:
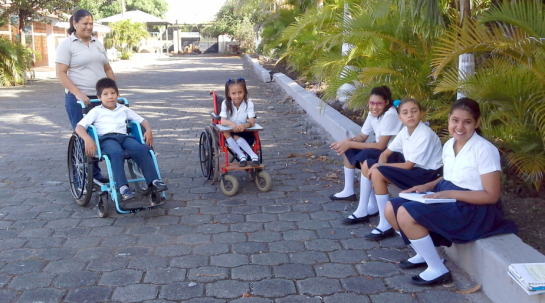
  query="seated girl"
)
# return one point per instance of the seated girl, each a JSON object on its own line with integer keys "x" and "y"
{"x": 471, "y": 176}
{"x": 383, "y": 122}
{"x": 421, "y": 149}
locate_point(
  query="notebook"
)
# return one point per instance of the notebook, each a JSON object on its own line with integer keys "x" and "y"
{"x": 530, "y": 276}
{"x": 419, "y": 198}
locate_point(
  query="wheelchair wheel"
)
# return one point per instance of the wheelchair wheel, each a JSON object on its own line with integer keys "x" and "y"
{"x": 229, "y": 185}
{"x": 206, "y": 152}
{"x": 136, "y": 173}
{"x": 102, "y": 205}
{"x": 80, "y": 171}
{"x": 263, "y": 181}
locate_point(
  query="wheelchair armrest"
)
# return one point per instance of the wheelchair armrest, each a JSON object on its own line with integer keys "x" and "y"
{"x": 215, "y": 117}
{"x": 92, "y": 131}
{"x": 135, "y": 130}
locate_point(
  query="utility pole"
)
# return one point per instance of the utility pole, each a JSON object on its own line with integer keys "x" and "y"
{"x": 122, "y": 8}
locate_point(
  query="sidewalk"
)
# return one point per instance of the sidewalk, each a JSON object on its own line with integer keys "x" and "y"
{"x": 286, "y": 245}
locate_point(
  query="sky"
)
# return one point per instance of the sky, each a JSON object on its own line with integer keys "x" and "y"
{"x": 192, "y": 11}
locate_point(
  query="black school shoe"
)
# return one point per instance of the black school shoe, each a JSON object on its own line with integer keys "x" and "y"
{"x": 255, "y": 163}
{"x": 351, "y": 220}
{"x": 103, "y": 179}
{"x": 349, "y": 198}
{"x": 405, "y": 264}
{"x": 442, "y": 279}
{"x": 381, "y": 235}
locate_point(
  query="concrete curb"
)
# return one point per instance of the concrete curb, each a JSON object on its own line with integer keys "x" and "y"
{"x": 258, "y": 69}
{"x": 485, "y": 260}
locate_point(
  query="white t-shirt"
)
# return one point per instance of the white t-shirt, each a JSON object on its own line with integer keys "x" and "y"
{"x": 240, "y": 115}
{"x": 423, "y": 147}
{"x": 477, "y": 157}
{"x": 85, "y": 63}
{"x": 110, "y": 121}
{"x": 386, "y": 125}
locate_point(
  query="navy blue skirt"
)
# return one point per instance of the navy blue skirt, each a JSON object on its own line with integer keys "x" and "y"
{"x": 357, "y": 156}
{"x": 248, "y": 136}
{"x": 407, "y": 178}
{"x": 457, "y": 222}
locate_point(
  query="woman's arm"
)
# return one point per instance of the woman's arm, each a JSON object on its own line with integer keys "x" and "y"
{"x": 489, "y": 195}
{"x": 62, "y": 75}
{"x": 109, "y": 71}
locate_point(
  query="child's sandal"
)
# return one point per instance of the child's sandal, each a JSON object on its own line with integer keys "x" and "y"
{"x": 243, "y": 163}
{"x": 255, "y": 162}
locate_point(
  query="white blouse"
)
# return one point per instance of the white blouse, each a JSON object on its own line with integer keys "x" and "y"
{"x": 477, "y": 157}
{"x": 386, "y": 125}
{"x": 423, "y": 147}
{"x": 241, "y": 114}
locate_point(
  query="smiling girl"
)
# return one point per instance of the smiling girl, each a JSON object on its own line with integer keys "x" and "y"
{"x": 421, "y": 149}
{"x": 471, "y": 176}
{"x": 383, "y": 122}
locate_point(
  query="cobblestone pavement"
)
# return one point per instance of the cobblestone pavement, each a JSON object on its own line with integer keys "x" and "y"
{"x": 286, "y": 245}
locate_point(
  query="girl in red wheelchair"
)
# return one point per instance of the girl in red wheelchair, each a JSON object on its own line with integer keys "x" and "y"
{"x": 238, "y": 113}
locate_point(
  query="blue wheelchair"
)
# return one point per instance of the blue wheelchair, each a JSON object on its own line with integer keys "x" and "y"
{"x": 80, "y": 172}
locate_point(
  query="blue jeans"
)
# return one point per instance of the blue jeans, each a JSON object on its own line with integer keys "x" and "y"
{"x": 75, "y": 114}
{"x": 115, "y": 146}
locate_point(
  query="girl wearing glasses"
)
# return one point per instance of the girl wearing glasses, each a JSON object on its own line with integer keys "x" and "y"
{"x": 383, "y": 122}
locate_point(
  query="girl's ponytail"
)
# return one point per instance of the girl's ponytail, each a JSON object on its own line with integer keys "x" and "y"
{"x": 71, "y": 29}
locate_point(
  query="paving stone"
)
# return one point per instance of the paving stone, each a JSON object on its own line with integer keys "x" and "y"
{"x": 348, "y": 256}
{"x": 89, "y": 294}
{"x": 293, "y": 216}
{"x": 206, "y": 300}
{"x": 252, "y": 300}
{"x": 276, "y": 209}
{"x": 251, "y": 273}
{"x": 120, "y": 240}
{"x": 346, "y": 298}
{"x": 247, "y": 227}
{"x": 195, "y": 239}
{"x": 120, "y": 277}
{"x": 173, "y": 250}
{"x": 229, "y": 218}
{"x": 143, "y": 230}
{"x": 133, "y": 251}
{"x": 229, "y": 237}
{"x": 261, "y": 217}
{"x": 181, "y": 291}
{"x": 299, "y": 235}
{"x": 8, "y": 296}
{"x": 64, "y": 266}
{"x": 148, "y": 263}
{"x": 31, "y": 281}
{"x": 280, "y": 226}
{"x": 211, "y": 228}
{"x": 55, "y": 254}
{"x": 71, "y": 232}
{"x": 265, "y": 236}
{"x": 443, "y": 296}
{"x": 155, "y": 240}
{"x": 294, "y": 271}
{"x": 248, "y": 247}
{"x": 269, "y": 259}
{"x": 286, "y": 246}
{"x": 322, "y": 245}
{"x": 378, "y": 269}
{"x": 306, "y": 208}
{"x": 386, "y": 254}
{"x": 313, "y": 224}
{"x": 274, "y": 288}
{"x": 190, "y": 261}
{"x": 41, "y": 295}
{"x": 359, "y": 244}
{"x": 229, "y": 260}
{"x": 363, "y": 285}
{"x": 80, "y": 242}
{"x": 319, "y": 286}
{"x": 36, "y": 233}
{"x": 392, "y": 297}
{"x": 299, "y": 299}
{"x": 76, "y": 279}
{"x": 227, "y": 289}
{"x": 135, "y": 293}
{"x": 107, "y": 264}
{"x": 208, "y": 274}
{"x": 334, "y": 270}
{"x": 164, "y": 275}
{"x": 309, "y": 257}
{"x": 211, "y": 249}
{"x": 246, "y": 209}
{"x": 23, "y": 267}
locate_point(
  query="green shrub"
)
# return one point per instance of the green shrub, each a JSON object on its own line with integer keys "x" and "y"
{"x": 15, "y": 59}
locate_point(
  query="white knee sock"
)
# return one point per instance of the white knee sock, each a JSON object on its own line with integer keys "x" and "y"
{"x": 417, "y": 258}
{"x": 372, "y": 206}
{"x": 234, "y": 147}
{"x": 383, "y": 224}
{"x": 348, "y": 183}
{"x": 424, "y": 247}
{"x": 365, "y": 193}
{"x": 246, "y": 147}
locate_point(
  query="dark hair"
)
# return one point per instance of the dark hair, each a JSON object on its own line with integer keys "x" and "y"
{"x": 385, "y": 93}
{"x": 82, "y": 13}
{"x": 228, "y": 101}
{"x": 105, "y": 83}
{"x": 408, "y": 100}
{"x": 469, "y": 105}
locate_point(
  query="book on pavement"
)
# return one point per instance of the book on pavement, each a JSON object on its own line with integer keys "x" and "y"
{"x": 530, "y": 276}
{"x": 419, "y": 197}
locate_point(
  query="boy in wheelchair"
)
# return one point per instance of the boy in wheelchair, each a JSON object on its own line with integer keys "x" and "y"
{"x": 110, "y": 121}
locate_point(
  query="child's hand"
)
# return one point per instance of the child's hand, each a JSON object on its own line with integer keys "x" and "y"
{"x": 90, "y": 148}
{"x": 417, "y": 189}
{"x": 148, "y": 138}
{"x": 238, "y": 128}
{"x": 341, "y": 147}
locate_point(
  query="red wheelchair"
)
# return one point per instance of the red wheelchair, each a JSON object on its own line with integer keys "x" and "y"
{"x": 217, "y": 160}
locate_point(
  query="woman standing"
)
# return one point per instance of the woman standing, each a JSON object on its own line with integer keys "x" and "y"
{"x": 81, "y": 61}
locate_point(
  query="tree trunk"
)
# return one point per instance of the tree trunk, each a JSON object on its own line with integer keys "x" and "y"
{"x": 344, "y": 92}
{"x": 466, "y": 62}
{"x": 22, "y": 18}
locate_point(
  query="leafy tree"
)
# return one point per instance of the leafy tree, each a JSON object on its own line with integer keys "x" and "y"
{"x": 125, "y": 35}
{"x": 33, "y": 10}
{"x": 93, "y": 6}
{"x": 15, "y": 59}
{"x": 113, "y": 7}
